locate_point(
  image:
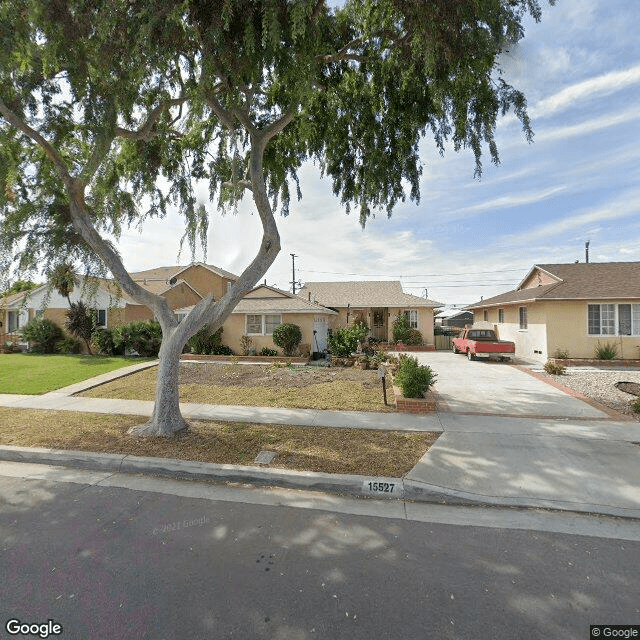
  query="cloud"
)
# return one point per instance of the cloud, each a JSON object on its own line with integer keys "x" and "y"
{"x": 514, "y": 200}
{"x": 625, "y": 205}
{"x": 597, "y": 87}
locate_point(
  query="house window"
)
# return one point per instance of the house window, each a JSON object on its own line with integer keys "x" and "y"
{"x": 613, "y": 319}
{"x": 412, "y": 318}
{"x": 254, "y": 324}
{"x": 500, "y": 316}
{"x": 13, "y": 321}
{"x": 262, "y": 324}
{"x": 271, "y": 322}
{"x": 485, "y": 315}
{"x": 522, "y": 313}
{"x": 102, "y": 317}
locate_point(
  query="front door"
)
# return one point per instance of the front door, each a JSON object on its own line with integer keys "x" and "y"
{"x": 379, "y": 323}
{"x": 320, "y": 331}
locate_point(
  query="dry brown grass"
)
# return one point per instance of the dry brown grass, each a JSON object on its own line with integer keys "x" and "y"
{"x": 352, "y": 451}
{"x": 259, "y": 386}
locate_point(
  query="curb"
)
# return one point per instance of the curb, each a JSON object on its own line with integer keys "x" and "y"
{"x": 355, "y": 485}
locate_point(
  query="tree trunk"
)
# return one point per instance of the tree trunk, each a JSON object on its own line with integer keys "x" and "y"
{"x": 166, "y": 419}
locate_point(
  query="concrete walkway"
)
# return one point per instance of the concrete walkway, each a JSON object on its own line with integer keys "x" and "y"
{"x": 558, "y": 453}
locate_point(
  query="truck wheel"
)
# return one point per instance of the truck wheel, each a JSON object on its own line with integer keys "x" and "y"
{"x": 453, "y": 346}
{"x": 470, "y": 356}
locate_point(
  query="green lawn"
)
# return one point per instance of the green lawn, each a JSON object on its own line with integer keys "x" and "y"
{"x": 36, "y": 373}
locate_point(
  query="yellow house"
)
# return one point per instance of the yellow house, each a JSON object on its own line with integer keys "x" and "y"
{"x": 569, "y": 308}
{"x": 375, "y": 302}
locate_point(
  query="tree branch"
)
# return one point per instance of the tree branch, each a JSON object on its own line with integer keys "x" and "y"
{"x": 81, "y": 219}
{"x": 52, "y": 154}
{"x": 245, "y": 184}
{"x": 226, "y": 117}
{"x": 145, "y": 132}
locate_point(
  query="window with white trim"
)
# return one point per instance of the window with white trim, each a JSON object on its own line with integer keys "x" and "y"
{"x": 102, "y": 317}
{"x": 412, "y": 318}
{"x": 524, "y": 320}
{"x": 613, "y": 319}
{"x": 13, "y": 321}
{"x": 262, "y": 325}
{"x": 500, "y": 316}
{"x": 271, "y": 322}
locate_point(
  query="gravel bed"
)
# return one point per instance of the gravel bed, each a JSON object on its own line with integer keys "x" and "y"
{"x": 600, "y": 385}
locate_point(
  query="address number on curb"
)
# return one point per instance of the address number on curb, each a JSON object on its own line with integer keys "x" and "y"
{"x": 381, "y": 487}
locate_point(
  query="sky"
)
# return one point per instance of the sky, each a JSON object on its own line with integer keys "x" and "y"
{"x": 467, "y": 238}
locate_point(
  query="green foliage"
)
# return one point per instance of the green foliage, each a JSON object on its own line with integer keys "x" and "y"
{"x": 62, "y": 278}
{"x": 635, "y": 405}
{"x": 144, "y": 338}
{"x": 554, "y": 369}
{"x": 18, "y": 287}
{"x": 414, "y": 380}
{"x": 43, "y": 334}
{"x": 245, "y": 345}
{"x": 81, "y": 322}
{"x": 68, "y": 345}
{"x": 287, "y": 336}
{"x": 401, "y": 329}
{"x": 268, "y": 352}
{"x": 561, "y": 354}
{"x": 102, "y": 341}
{"x": 207, "y": 342}
{"x": 414, "y": 337}
{"x": 607, "y": 351}
{"x": 344, "y": 341}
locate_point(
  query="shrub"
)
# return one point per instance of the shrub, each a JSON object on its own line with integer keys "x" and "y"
{"x": 287, "y": 336}
{"x": 344, "y": 341}
{"x": 81, "y": 322}
{"x": 401, "y": 329}
{"x": 68, "y": 345}
{"x": 413, "y": 379}
{"x": 102, "y": 341}
{"x": 268, "y": 352}
{"x": 144, "y": 338}
{"x": 561, "y": 354}
{"x": 635, "y": 405}
{"x": 43, "y": 333}
{"x": 205, "y": 341}
{"x": 245, "y": 344}
{"x": 414, "y": 337}
{"x": 607, "y": 351}
{"x": 222, "y": 350}
{"x": 554, "y": 369}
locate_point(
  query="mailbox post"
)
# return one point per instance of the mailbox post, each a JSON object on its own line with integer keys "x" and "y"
{"x": 382, "y": 370}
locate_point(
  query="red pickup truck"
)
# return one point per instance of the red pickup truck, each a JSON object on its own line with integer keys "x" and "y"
{"x": 483, "y": 343}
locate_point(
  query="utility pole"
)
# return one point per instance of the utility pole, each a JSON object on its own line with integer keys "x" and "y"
{"x": 294, "y": 282}
{"x": 426, "y": 293}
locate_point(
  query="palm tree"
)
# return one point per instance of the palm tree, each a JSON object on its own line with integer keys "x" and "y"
{"x": 63, "y": 279}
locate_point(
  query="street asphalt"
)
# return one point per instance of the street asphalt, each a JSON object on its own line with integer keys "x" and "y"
{"x": 508, "y": 439}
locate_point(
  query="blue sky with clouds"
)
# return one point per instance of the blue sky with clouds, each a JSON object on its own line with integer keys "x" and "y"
{"x": 579, "y": 181}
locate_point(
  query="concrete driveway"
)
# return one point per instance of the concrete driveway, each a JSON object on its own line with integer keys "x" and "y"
{"x": 496, "y": 388}
{"x": 512, "y": 439}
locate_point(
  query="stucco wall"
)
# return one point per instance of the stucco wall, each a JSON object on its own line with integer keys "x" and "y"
{"x": 182, "y": 295}
{"x": 568, "y": 330}
{"x": 235, "y": 327}
{"x": 531, "y": 343}
{"x": 204, "y": 281}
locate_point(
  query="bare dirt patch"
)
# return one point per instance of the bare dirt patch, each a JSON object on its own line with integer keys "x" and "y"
{"x": 352, "y": 451}
{"x": 347, "y": 389}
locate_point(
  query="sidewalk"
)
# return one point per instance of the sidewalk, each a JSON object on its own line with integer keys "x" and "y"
{"x": 577, "y": 464}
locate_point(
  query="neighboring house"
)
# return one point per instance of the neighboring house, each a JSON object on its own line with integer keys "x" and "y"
{"x": 569, "y": 307}
{"x": 256, "y": 315}
{"x": 264, "y": 308}
{"x": 376, "y": 303}
{"x": 455, "y": 318}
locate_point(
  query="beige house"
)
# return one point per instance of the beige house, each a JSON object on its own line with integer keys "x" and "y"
{"x": 264, "y": 308}
{"x": 571, "y": 308}
{"x": 377, "y": 303}
{"x": 255, "y": 316}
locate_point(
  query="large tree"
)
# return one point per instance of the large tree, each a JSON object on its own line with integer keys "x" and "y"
{"x": 110, "y": 112}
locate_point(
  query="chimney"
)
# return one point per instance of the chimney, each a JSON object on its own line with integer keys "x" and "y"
{"x": 309, "y": 294}
{"x": 586, "y": 251}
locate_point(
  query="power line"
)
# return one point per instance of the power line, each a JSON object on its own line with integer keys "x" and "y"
{"x": 455, "y": 286}
{"x": 415, "y": 275}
